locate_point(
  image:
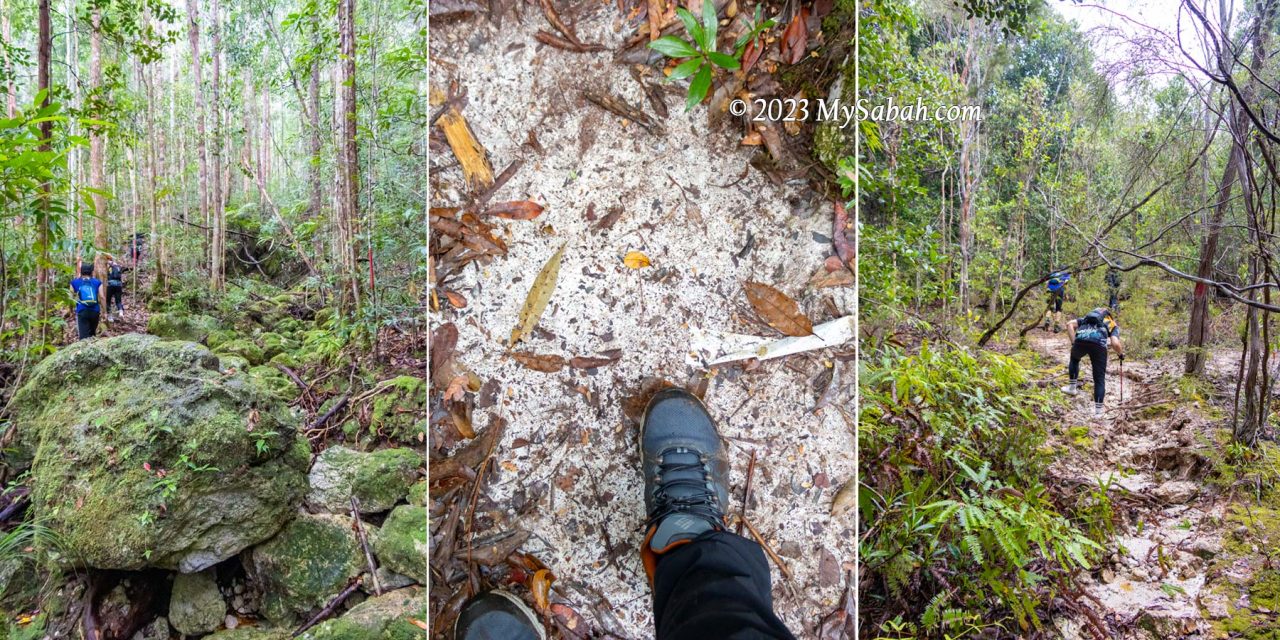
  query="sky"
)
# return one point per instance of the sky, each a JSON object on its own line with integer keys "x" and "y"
{"x": 1130, "y": 33}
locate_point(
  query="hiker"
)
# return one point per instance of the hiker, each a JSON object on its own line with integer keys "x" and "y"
{"x": 1092, "y": 335}
{"x": 1056, "y": 290}
{"x": 707, "y": 582}
{"x": 87, "y": 291}
{"x": 115, "y": 289}
{"x": 1113, "y": 288}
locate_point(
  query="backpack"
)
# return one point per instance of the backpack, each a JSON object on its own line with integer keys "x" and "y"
{"x": 87, "y": 294}
{"x": 114, "y": 278}
{"x": 1057, "y": 280}
{"x": 1093, "y": 328}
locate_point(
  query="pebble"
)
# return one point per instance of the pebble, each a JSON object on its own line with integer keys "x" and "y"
{"x": 232, "y": 621}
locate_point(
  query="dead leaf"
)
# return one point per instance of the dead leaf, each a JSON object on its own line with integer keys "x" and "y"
{"x": 545, "y": 363}
{"x": 457, "y": 389}
{"x": 752, "y": 139}
{"x": 795, "y": 39}
{"x": 540, "y": 587}
{"x": 845, "y": 498}
{"x": 539, "y": 295}
{"x": 823, "y": 278}
{"x": 419, "y": 624}
{"x": 462, "y": 421}
{"x": 456, "y": 299}
{"x": 604, "y": 359}
{"x": 636, "y": 260}
{"x": 515, "y": 210}
{"x": 751, "y": 54}
{"x": 610, "y": 219}
{"x": 493, "y": 550}
{"x": 778, "y": 310}
{"x": 567, "y": 617}
{"x": 844, "y": 247}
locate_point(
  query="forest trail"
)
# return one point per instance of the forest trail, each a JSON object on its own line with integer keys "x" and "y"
{"x": 1143, "y": 452}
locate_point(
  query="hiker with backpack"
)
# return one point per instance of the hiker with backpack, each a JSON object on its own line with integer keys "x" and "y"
{"x": 1056, "y": 289}
{"x": 1113, "y": 288}
{"x": 115, "y": 289}
{"x": 1092, "y": 335}
{"x": 87, "y": 291}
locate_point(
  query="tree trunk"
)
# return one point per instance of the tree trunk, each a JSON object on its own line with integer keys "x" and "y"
{"x": 202, "y": 173}
{"x": 314, "y": 144}
{"x": 6, "y": 37}
{"x": 349, "y": 166}
{"x": 44, "y": 58}
{"x": 97, "y": 153}
{"x": 218, "y": 251}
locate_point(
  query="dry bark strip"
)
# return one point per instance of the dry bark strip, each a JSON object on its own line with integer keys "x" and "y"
{"x": 546, "y": 363}
{"x": 778, "y": 310}
{"x": 619, "y": 107}
{"x": 552, "y": 40}
{"x": 470, "y": 153}
{"x": 515, "y": 210}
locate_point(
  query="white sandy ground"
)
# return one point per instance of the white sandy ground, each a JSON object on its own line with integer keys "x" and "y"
{"x": 515, "y": 85}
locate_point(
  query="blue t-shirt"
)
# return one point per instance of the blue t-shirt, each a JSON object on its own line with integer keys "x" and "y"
{"x": 86, "y": 291}
{"x": 1058, "y": 280}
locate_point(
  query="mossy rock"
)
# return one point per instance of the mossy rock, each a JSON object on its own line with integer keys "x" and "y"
{"x": 418, "y": 493}
{"x": 401, "y": 543}
{"x": 274, "y": 344}
{"x": 323, "y": 316}
{"x": 250, "y": 633}
{"x": 228, "y": 362}
{"x": 396, "y": 411}
{"x": 196, "y": 606}
{"x": 383, "y": 617}
{"x": 275, "y": 380}
{"x": 289, "y": 326}
{"x": 179, "y": 326}
{"x": 307, "y": 563}
{"x": 220, "y": 337}
{"x": 245, "y": 349}
{"x": 286, "y": 359}
{"x": 378, "y": 480}
{"x": 101, "y": 419}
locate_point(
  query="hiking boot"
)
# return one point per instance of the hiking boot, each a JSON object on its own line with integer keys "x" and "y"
{"x": 685, "y": 472}
{"x": 1072, "y": 388}
{"x": 1097, "y": 410}
{"x": 497, "y": 615}
{"x": 1057, "y": 328}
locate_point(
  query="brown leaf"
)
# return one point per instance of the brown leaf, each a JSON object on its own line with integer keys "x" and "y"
{"x": 845, "y": 498}
{"x": 751, "y": 53}
{"x": 462, "y": 421}
{"x": 795, "y": 38}
{"x": 540, "y": 587}
{"x": 610, "y": 219}
{"x": 823, "y": 278}
{"x": 456, "y": 299}
{"x": 752, "y": 139}
{"x": 604, "y": 359}
{"x": 539, "y": 295}
{"x": 457, "y": 389}
{"x": 443, "y": 341}
{"x": 493, "y": 550}
{"x": 568, "y": 618}
{"x": 844, "y": 247}
{"x": 549, "y": 363}
{"x": 515, "y": 210}
{"x": 781, "y": 312}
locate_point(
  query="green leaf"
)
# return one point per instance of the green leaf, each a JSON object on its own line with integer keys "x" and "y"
{"x": 699, "y": 87}
{"x": 723, "y": 60}
{"x": 710, "y": 23}
{"x": 690, "y": 24}
{"x": 686, "y": 69}
{"x": 673, "y": 47}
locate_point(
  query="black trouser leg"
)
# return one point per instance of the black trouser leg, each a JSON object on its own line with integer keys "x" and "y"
{"x": 115, "y": 298}
{"x": 1097, "y": 355}
{"x": 87, "y": 324}
{"x": 716, "y": 586}
{"x": 1073, "y": 367}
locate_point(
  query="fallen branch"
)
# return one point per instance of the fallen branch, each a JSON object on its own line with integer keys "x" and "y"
{"x": 786, "y": 573}
{"x": 746, "y": 492}
{"x": 619, "y": 107}
{"x": 329, "y": 608}
{"x": 337, "y": 407}
{"x": 550, "y": 39}
{"x": 364, "y": 544}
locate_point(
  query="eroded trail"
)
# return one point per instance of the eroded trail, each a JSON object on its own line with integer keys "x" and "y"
{"x": 1143, "y": 454}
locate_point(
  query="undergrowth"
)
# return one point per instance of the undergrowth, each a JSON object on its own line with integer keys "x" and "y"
{"x": 962, "y": 535}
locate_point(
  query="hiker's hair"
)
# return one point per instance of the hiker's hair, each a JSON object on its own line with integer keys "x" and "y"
{"x": 86, "y": 269}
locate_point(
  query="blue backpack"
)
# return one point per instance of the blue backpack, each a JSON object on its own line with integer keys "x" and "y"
{"x": 1094, "y": 328}
{"x": 87, "y": 294}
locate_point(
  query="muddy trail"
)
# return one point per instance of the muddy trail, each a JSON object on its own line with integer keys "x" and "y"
{"x": 1147, "y": 454}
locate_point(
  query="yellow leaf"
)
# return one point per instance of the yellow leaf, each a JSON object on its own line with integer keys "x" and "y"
{"x": 539, "y": 295}
{"x": 636, "y": 260}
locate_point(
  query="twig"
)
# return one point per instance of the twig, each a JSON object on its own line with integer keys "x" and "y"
{"x": 746, "y": 492}
{"x": 553, "y": 40}
{"x": 554, "y": 18}
{"x": 620, "y": 108}
{"x": 306, "y": 389}
{"x": 364, "y": 544}
{"x": 328, "y": 608}
{"x": 334, "y": 410}
{"x": 786, "y": 573}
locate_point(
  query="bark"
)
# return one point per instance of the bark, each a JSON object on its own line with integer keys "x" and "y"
{"x": 73, "y": 127}
{"x": 44, "y": 55}
{"x": 202, "y": 173}
{"x": 6, "y": 37}
{"x": 97, "y": 152}
{"x": 349, "y": 167}
{"x": 218, "y": 251}
{"x": 314, "y": 144}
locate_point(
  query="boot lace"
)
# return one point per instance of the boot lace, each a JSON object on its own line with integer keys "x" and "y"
{"x": 699, "y": 500}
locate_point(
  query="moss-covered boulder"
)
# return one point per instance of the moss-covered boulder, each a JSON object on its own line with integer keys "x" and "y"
{"x": 274, "y": 344}
{"x": 181, "y": 326}
{"x": 275, "y": 380}
{"x": 384, "y": 617}
{"x": 396, "y": 411}
{"x": 244, "y": 348}
{"x": 418, "y": 493}
{"x": 401, "y": 543}
{"x": 143, "y": 453}
{"x": 377, "y": 480}
{"x": 307, "y": 563}
{"x": 220, "y": 337}
{"x": 229, "y": 362}
{"x": 251, "y": 633}
{"x": 196, "y": 606}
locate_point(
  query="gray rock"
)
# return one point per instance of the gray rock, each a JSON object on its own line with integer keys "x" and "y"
{"x": 158, "y": 629}
{"x": 1176, "y": 491}
{"x": 378, "y": 480}
{"x": 306, "y": 564}
{"x": 196, "y": 606}
{"x": 141, "y": 454}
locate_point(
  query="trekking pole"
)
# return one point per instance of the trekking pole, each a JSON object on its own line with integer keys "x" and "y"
{"x": 1122, "y": 379}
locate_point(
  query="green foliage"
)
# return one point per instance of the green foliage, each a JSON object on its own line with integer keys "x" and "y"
{"x": 699, "y": 51}
{"x": 962, "y": 521}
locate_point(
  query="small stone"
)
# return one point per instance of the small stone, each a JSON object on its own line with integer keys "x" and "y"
{"x": 1205, "y": 548}
{"x": 231, "y": 622}
{"x": 196, "y": 606}
{"x": 1108, "y": 576}
{"x": 1177, "y": 491}
{"x": 238, "y": 589}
